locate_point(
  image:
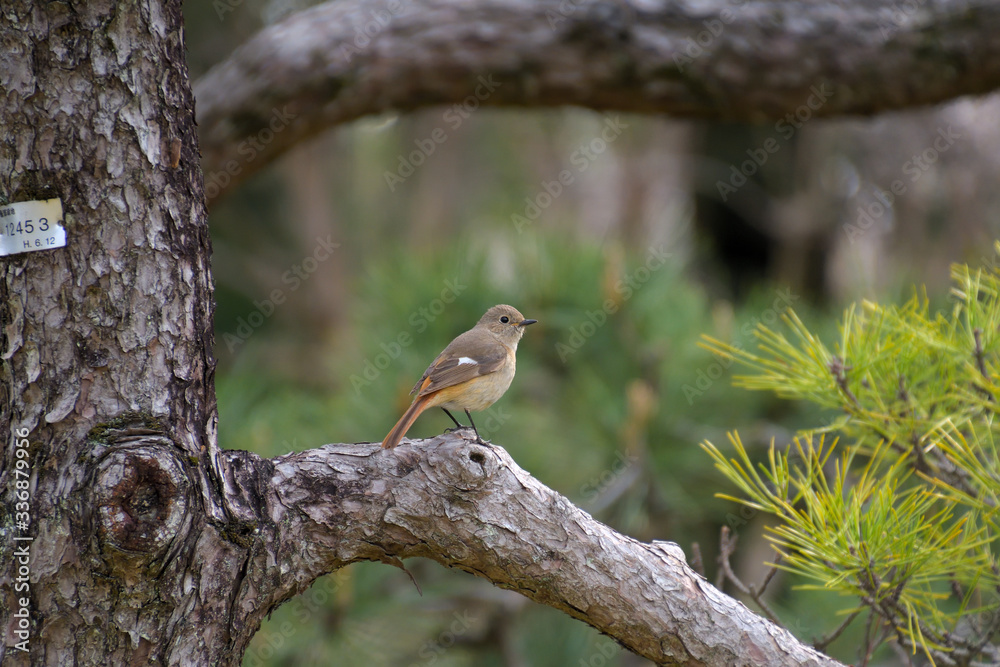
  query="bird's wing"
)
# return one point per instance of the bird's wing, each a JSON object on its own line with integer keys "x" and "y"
{"x": 452, "y": 367}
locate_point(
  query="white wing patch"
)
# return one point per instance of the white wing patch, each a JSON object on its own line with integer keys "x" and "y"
{"x": 466, "y": 360}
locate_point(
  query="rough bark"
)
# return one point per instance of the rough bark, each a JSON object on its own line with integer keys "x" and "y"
{"x": 738, "y": 60}
{"x": 151, "y": 546}
{"x": 471, "y": 507}
{"x": 108, "y": 341}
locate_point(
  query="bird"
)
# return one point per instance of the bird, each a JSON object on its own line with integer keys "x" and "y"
{"x": 472, "y": 373}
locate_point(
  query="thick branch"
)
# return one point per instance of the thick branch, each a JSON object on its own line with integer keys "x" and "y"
{"x": 471, "y": 507}
{"x": 751, "y": 60}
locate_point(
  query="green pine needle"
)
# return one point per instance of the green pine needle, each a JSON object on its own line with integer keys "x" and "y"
{"x": 894, "y": 503}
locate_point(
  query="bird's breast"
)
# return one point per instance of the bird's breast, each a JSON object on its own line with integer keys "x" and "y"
{"x": 478, "y": 393}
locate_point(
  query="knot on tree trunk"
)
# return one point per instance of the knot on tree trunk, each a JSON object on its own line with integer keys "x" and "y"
{"x": 141, "y": 494}
{"x": 461, "y": 464}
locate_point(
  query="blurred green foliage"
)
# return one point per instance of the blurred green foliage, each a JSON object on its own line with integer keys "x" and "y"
{"x": 611, "y": 397}
{"x": 607, "y": 414}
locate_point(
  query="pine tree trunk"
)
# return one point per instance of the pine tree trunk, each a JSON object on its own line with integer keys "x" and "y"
{"x": 107, "y": 364}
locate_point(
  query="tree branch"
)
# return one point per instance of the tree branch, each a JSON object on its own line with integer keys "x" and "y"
{"x": 727, "y": 546}
{"x": 471, "y": 507}
{"x": 735, "y": 60}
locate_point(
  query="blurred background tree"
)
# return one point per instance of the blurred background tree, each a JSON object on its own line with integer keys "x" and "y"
{"x": 342, "y": 269}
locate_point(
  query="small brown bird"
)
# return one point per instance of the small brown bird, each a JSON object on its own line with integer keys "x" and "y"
{"x": 472, "y": 373}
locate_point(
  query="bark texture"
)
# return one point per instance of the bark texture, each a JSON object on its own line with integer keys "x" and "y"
{"x": 471, "y": 507}
{"x": 737, "y": 60}
{"x": 106, "y": 360}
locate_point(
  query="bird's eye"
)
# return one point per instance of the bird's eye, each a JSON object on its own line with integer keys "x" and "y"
{"x": 505, "y": 319}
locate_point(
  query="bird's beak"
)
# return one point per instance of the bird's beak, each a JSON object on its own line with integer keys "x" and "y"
{"x": 525, "y": 323}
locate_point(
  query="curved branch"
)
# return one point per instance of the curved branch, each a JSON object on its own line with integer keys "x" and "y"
{"x": 471, "y": 507}
{"x": 741, "y": 60}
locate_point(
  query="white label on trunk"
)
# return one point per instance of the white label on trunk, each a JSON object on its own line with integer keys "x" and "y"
{"x": 28, "y": 226}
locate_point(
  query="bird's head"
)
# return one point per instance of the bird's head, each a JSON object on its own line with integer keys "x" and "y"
{"x": 506, "y": 323}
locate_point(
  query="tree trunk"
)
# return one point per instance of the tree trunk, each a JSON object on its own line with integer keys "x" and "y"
{"x": 107, "y": 347}
{"x": 733, "y": 60}
{"x": 147, "y": 544}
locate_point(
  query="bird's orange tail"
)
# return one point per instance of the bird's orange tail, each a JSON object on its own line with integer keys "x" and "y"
{"x": 405, "y": 422}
